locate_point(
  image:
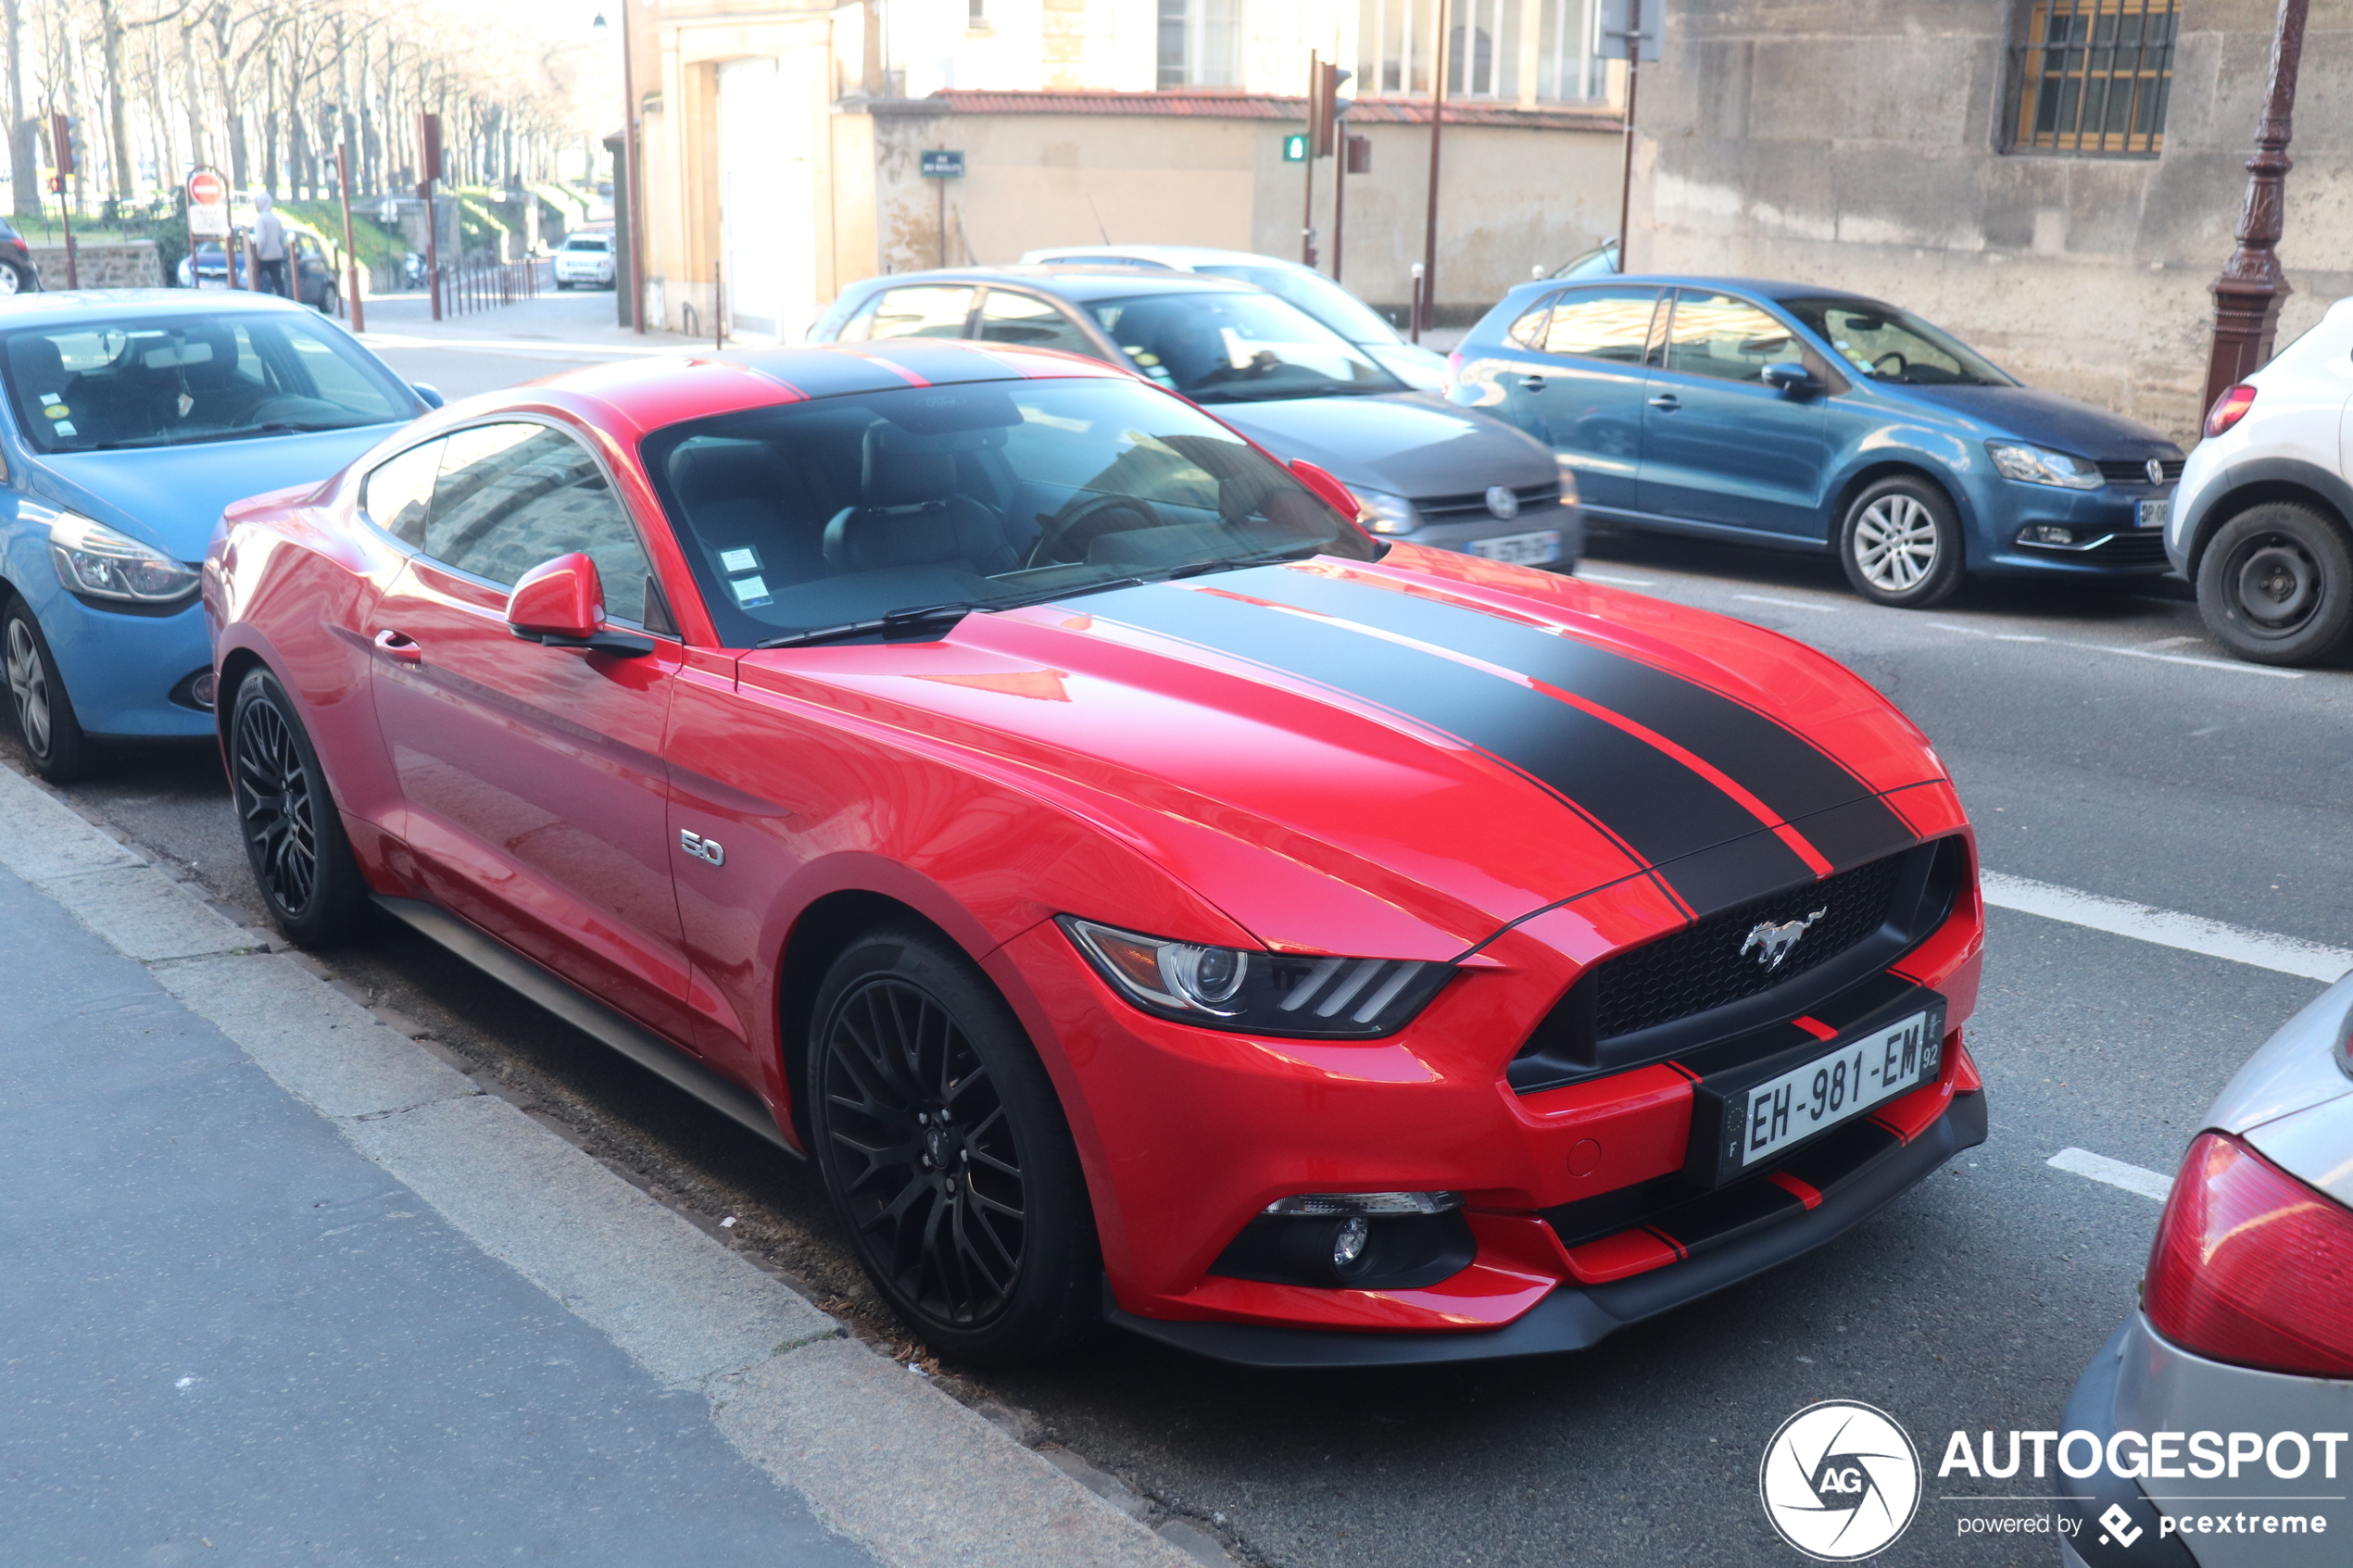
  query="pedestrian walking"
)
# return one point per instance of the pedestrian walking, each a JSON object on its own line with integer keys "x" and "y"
{"x": 269, "y": 246}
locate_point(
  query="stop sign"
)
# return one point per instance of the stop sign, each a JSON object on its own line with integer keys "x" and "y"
{"x": 207, "y": 203}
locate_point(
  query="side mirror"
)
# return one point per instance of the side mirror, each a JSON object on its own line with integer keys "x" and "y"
{"x": 1330, "y": 491}
{"x": 561, "y": 604}
{"x": 1790, "y": 377}
{"x": 432, "y": 394}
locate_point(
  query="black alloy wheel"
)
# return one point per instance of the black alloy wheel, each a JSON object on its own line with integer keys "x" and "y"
{"x": 45, "y": 723}
{"x": 944, "y": 1149}
{"x": 294, "y": 836}
{"x": 2276, "y": 584}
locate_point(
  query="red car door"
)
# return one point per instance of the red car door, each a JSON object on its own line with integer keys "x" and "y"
{"x": 533, "y": 789}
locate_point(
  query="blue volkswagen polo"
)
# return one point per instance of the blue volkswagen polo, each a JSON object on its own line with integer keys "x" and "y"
{"x": 1790, "y": 415}
{"x": 132, "y": 419}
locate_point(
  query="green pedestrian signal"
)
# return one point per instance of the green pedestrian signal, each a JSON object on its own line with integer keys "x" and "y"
{"x": 1295, "y": 150}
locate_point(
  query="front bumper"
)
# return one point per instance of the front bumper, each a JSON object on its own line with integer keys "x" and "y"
{"x": 2110, "y": 544}
{"x": 120, "y": 668}
{"x": 1568, "y": 520}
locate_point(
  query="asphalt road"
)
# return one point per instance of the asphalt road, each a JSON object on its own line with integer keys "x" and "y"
{"x": 2102, "y": 742}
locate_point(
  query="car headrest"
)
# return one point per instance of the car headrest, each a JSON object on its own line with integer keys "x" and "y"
{"x": 38, "y": 365}
{"x": 903, "y": 472}
{"x": 705, "y": 473}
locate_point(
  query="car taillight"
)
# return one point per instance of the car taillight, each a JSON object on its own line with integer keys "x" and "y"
{"x": 1454, "y": 372}
{"x": 2228, "y": 409}
{"x": 2251, "y": 1266}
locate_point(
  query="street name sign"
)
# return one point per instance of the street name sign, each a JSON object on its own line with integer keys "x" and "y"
{"x": 939, "y": 164}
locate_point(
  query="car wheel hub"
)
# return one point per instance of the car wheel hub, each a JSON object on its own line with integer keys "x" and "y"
{"x": 2278, "y": 585}
{"x": 28, "y": 685}
{"x": 1896, "y": 542}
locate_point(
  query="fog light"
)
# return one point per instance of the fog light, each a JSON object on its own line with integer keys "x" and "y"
{"x": 2044, "y": 534}
{"x": 1348, "y": 1242}
{"x": 202, "y": 688}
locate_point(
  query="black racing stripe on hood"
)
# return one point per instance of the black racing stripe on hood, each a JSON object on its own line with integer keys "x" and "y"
{"x": 1655, "y": 805}
{"x": 1790, "y": 774}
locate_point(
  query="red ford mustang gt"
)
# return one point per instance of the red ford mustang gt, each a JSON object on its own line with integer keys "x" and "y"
{"x": 1143, "y": 894}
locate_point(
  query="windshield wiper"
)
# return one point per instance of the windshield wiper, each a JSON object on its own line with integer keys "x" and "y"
{"x": 895, "y": 621}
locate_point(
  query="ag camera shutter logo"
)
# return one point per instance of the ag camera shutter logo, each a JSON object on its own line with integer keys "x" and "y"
{"x": 1840, "y": 1480}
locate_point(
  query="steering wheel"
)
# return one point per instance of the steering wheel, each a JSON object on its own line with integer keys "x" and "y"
{"x": 1089, "y": 522}
{"x": 1878, "y": 366}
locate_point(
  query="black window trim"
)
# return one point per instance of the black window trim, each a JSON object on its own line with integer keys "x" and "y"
{"x": 1653, "y": 344}
{"x": 1087, "y": 330}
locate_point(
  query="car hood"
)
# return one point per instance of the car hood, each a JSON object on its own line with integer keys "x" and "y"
{"x": 1414, "y": 752}
{"x": 2047, "y": 420}
{"x": 171, "y": 496}
{"x": 1407, "y": 443}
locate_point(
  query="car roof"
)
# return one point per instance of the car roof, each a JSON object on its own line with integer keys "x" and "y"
{"x": 1761, "y": 288}
{"x": 1176, "y": 256}
{"x": 1076, "y": 282}
{"x": 69, "y": 305}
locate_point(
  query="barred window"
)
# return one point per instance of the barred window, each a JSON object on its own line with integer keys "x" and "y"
{"x": 2092, "y": 76}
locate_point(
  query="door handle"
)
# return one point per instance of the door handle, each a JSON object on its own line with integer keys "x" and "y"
{"x": 1532, "y": 384}
{"x": 1666, "y": 403}
{"x": 400, "y": 645}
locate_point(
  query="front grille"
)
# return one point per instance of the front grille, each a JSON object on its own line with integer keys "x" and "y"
{"x": 2134, "y": 470}
{"x": 1462, "y": 508}
{"x": 1703, "y": 966}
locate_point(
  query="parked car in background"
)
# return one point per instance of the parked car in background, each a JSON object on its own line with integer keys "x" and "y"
{"x": 585, "y": 259}
{"x": 1599, "y": 262}
{"x": 2264, "y": 522}
{"x": 1320, "y": 296}
{"x": 2244, "y": 1327}
{"x": 1802, "y": 417}
{"x": 316, "y": 284}
{"x": 17, "y": 274}
{"x": 1141, "y": 894}
{"x": 1423, "y": 470}
{"x": 133, "y": 416}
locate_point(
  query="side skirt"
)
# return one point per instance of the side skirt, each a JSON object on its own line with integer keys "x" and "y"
{"x": 587, "y": 1014}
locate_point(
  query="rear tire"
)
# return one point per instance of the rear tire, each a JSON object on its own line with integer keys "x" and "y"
{"x": 2276, "y": 584}
{"x": 1900, "y": 542}
{"x": 45, "y": 723}
{"x": 302, "y": 864}
{"x": 945, "y": 1151}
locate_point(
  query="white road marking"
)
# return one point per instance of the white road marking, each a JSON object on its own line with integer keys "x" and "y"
{"x": 2230, "y": 664}
{"x": 2170, "y": 641}
{"x": 2115, "y": 1173}
{"x": 1616, "y": 582}
{"x": 1789, "y": 604}
{"x": 2192, "y": 934}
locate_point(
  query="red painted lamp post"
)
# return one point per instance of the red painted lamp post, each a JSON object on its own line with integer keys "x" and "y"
{"x": 2248, "y": 293}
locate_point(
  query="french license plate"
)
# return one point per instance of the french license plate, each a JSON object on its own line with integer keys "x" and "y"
{"x": 1834, "y": 1088}
{"x": 2152, "y": 514}
{"x": 1520, "y": 549}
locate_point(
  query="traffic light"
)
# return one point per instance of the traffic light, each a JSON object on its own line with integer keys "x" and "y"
{"x": 1323, "y": 109}
{"x": 73, "y": 144}
{"x": 63, "y": 144}
{"x": 1295, "y": 150}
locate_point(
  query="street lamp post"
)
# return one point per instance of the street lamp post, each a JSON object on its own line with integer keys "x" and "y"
{"x": 2248, "y": 291}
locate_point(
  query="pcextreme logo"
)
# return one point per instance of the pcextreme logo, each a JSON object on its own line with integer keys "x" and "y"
{"x": 1840, "y": 1480}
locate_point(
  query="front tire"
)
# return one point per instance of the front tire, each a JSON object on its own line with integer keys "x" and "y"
{"x": 2276, "y": 584}
{"x": 945, "y": 1151}
{"x": 302, "y": 864}
{"x": 46, "y": 722}
{"x": 1900, "y": 542}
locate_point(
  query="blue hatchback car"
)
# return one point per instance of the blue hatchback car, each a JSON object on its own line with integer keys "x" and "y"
{"x": 1791, "y": 415}
{"x": 133, "y": 418}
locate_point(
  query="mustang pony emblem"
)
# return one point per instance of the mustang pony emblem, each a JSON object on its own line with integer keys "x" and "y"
{"x": 1773, "y": 942}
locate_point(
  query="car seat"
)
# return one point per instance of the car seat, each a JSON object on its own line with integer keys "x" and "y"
{"x": 911, "y": 511}
{"x": 737, "y": 497}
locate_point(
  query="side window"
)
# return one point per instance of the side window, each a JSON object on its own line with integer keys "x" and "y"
{"x": 512, "y": 496}
{"x": 1031, "y": 323}
{"x": 1612, "y": 325}
{"x": 1529, "y": 331}
{"x": 397, "y": 493}
{"x": 1714, "y": 334}
{"x": 932, "y": 311}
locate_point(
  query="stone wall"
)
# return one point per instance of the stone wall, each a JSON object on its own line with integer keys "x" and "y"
{"x": 129, "y": 264}
{"x": 1859, "y": 144}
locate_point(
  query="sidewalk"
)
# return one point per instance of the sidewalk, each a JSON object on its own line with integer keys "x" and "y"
{"x": 278, "y": 1285}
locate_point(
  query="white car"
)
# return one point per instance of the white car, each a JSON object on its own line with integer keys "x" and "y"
{"x": 2241, "y": 1354}
{"x": 584, "y": 259}
{"x": 2262, "y": 521}
{"x": 1418, "y": 368}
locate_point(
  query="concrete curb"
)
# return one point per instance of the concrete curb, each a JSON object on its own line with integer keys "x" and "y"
{"x": 881, "y": 1455}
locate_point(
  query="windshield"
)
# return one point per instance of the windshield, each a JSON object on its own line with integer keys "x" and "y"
{"x": 585, "y": 241}
{"x": 1888, "y": 345}
{"x": 843, "y": 509}
{"x": 1316, "y": 295}
{"x": 171, "y": 381}
{"x": 1238, "y": 347}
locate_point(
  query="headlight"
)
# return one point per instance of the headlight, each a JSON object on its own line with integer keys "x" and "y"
{"x": 1388, "y": 513}
{"x": 1568, "y": 479}
{"x": 2040, "y": 465}
{"x": 1260, "y": 993}
{"x": 93, "y": 559}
